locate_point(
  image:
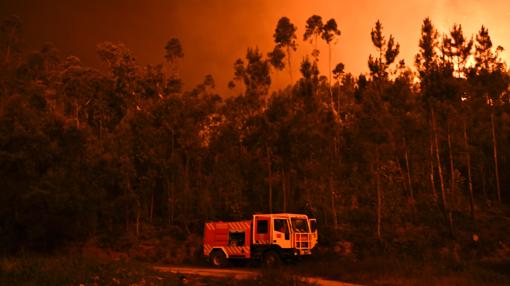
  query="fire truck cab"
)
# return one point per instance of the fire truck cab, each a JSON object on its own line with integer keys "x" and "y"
{"x": 268, "y": 237}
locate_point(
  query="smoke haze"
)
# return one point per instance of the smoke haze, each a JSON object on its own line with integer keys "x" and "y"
{"x": 215, "y": 33}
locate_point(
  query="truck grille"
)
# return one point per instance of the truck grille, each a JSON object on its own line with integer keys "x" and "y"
{"x": 302, "y": 240}
{"x": 302, "y": 245}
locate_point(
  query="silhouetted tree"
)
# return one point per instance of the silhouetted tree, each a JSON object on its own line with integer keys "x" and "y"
{"x": 276, "y": 58}
{"x": 314, "y": 29}
{"x": 457, "y": 50}
{"x": 426, "y": 59}
{"x": 329, "y": 33}
{"x": 488, "y": 81}
{"x": 388, "y": 51}
{"x": 285, "y": 38}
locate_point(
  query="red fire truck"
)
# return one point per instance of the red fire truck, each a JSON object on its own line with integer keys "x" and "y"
{"x": 269, "y": 237}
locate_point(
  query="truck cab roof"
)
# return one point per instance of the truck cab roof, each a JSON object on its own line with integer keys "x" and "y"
{"x": 286, "y": 215}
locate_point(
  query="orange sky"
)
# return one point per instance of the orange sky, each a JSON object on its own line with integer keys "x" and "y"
{"x": 216, "y": 32}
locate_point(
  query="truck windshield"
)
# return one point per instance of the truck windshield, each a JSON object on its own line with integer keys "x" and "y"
{"x": 299, "y": 225}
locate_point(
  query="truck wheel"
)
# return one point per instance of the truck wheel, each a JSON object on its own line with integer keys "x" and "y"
{"x": 271, "y": 259}
{"x": 217, "y": 258}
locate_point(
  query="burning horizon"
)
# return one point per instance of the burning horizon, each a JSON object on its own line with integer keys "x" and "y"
{"x": 214, "y": 34}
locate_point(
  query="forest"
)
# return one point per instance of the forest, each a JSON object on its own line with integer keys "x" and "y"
{"x": 406, "y": 159}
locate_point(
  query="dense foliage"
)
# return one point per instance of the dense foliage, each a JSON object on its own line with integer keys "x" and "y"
{"x": 397, "y": 155}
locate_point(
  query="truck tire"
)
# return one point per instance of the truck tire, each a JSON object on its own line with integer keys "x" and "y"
{"x": 271, "y": 259}
{"x": 217, "y": 258}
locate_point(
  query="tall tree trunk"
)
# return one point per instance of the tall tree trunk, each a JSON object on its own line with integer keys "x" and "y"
{"x": 446, "y": 211}
{"x": 333, "y": 203}
{"x": 269, "y": 179}
{"x": 470, "y": 181}
{"x": 431, "y": 175}
{"x": 308, "y": 197}
{"x": 379, "y": 198}
{"x": 331, "y": 182}
{"x": 329, "y": 69}
{"x": 409, "y": 181}
{"x": 172, "y": 192}
{"x": 289, "y": 189}
{"x": 484, "y": 183}
{"x": 170, "y": 203}
{"x": 323, "y": 201}
{"x": 495, "y": 153}
{"x": 284, "y": 190}
{"x": 171, "y": 180}
{"x": 338, "y": 99}
{"x": 315, "y": 50}
{"x": 187, "y": 196}
{"x": 452, "y": 165}
{"x": 138, "y": 217}
{"x": 288, "y": 60}
{"x": 202, "y": 193}
{"x": 138, "y": 206}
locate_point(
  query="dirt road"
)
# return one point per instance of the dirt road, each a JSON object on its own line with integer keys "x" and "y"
{"x": 238, "y": 274}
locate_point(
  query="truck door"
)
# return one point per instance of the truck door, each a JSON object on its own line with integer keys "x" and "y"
{"x": 313, "y": 229}
{"x": 281, "y": 233}
{"x": 261, "y": 233}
